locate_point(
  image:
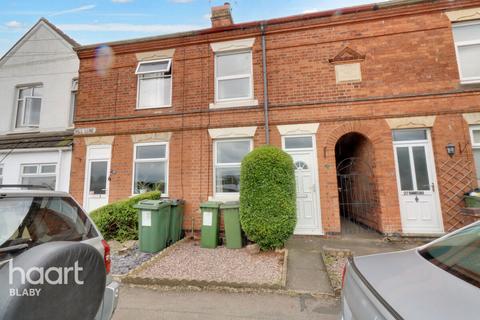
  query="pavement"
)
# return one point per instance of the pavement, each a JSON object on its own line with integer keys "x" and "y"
{"x": 145, "y": 303}
{"x": 306, "y": 271}
{"x": 306, "y": 276}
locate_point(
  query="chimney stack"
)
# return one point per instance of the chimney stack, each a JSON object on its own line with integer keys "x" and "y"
{"x": 221, "y": 16}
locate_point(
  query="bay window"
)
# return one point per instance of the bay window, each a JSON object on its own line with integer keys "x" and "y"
{"x": 151, "y": 168}
{"x": 154, "y": 84}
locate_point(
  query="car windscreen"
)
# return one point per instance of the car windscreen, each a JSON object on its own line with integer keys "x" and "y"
{"x": 458, "y": 254}
{"x": 36, "y": 220}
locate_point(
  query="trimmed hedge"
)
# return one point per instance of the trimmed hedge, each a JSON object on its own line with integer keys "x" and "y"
{"x": 119, "y": 220}
{"x": 268, "y": 197}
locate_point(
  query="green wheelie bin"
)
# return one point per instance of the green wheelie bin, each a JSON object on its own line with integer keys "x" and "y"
{"x": 176, "y": 220}
{"x": 210, "y": 224}
{"x": 231, "y": 219}
{"x": 153, "y": 225}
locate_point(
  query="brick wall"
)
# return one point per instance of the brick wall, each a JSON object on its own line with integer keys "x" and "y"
{"x": 410, "y": 69}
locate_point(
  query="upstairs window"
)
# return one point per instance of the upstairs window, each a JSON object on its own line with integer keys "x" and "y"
{"x": 154, "y": 84}
{"x": 467, "y": 46}
{"x": 233, "y": 76}
{"x": 73, "y": 101}
{"x": 29, "y": 104}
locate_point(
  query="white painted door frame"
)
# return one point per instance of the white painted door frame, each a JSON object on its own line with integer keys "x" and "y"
{"x": 96, "y": 153}
{"x": 438, "y": 227}
{"x": 317, "y": 229}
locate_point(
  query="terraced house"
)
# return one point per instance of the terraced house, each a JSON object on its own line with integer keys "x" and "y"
{"x": 378, "y": 105}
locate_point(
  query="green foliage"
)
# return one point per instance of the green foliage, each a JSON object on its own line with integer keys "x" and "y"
{"x": 119, "y": 220}
{"x": 268, "y": 197}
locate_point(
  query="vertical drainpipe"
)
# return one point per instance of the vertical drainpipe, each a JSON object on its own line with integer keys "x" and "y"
{"x": 265, "y": 84}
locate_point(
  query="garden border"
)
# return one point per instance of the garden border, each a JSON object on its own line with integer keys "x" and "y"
{"x": 133, "y": 278}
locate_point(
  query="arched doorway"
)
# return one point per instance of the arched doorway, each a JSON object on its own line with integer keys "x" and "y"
{"x": 357, "y": 191}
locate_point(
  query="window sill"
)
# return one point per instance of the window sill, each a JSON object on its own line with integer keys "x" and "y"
{"x": 163, "y": 195}
{"x": 150, "y": 108}
{"x": 225, "y": 197}
{"x": 469, "y": 82}
{"x": 20, "y": 131}
{"x": 234, "y": 104}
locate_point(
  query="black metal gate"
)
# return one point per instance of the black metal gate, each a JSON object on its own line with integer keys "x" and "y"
{"x": 357, "y": 196}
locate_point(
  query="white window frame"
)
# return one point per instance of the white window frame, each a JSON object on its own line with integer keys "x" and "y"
{"x": 18, "y": 99}
{"x": 73, "y": 101}
{"x": 135, "y": 160}
{"x": 141, "y": 74}
{"x": 239, "y": 76}
{"x": 475, "y": 146}
{"x": 229, "y": 195}
{"x": 39, "y": 171}
{"x": 311, "y": 136}
{"x": 465, "y": 44}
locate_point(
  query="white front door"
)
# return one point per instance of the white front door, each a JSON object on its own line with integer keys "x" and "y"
{"x": 416, "y": 178}
{"x": 302, "y": 150}
{"x": 96, "y": 177}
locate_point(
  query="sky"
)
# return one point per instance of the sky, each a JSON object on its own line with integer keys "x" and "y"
{"x": 96, "y": 21}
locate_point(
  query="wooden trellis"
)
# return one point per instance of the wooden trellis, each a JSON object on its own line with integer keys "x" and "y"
{"x": 456, "y": 177}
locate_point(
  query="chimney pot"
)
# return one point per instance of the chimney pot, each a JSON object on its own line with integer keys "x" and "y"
{"x": 221, "y": 15}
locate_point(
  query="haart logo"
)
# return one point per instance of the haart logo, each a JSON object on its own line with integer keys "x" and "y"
{"x": 41, "y": 276}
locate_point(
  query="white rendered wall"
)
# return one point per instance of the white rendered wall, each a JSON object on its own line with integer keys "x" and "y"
{"x": 43, "y": 57}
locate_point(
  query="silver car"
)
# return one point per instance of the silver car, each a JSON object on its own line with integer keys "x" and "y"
{"x": 440, "y": 280}
{"x": 66, "y": 221}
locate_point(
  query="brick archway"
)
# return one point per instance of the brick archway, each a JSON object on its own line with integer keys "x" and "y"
{"x": 357, "y": 185}
{"x": 383, "y": 165}
{"x": 371, "y": 134}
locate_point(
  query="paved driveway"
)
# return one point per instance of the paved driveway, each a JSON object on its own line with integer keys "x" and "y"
{"x": 140, "y": 303}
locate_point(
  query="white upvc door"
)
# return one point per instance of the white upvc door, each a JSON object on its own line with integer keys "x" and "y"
{"x": 302, "y": 150}
{"x": 417, "y": 184}
{"x": 97, "y": 173}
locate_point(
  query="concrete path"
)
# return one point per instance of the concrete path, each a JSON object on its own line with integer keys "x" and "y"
{"x": 306, "y": 271}
{"x": 144, "y": 304}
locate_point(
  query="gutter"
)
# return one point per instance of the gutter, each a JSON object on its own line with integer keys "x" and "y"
{"x": 265, "y": 83}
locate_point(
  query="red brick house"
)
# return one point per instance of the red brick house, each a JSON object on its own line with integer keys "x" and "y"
{"x": 365, "y": 99}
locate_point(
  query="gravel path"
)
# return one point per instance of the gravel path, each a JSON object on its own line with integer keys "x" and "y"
{"x": 122, "y": 264}
{"x": 187, "y": 261}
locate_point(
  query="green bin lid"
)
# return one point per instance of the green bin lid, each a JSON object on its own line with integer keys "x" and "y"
{"x": 151, "y": 204}
{"x": 210, "y": 204}
{"x": 230, "y": 205}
